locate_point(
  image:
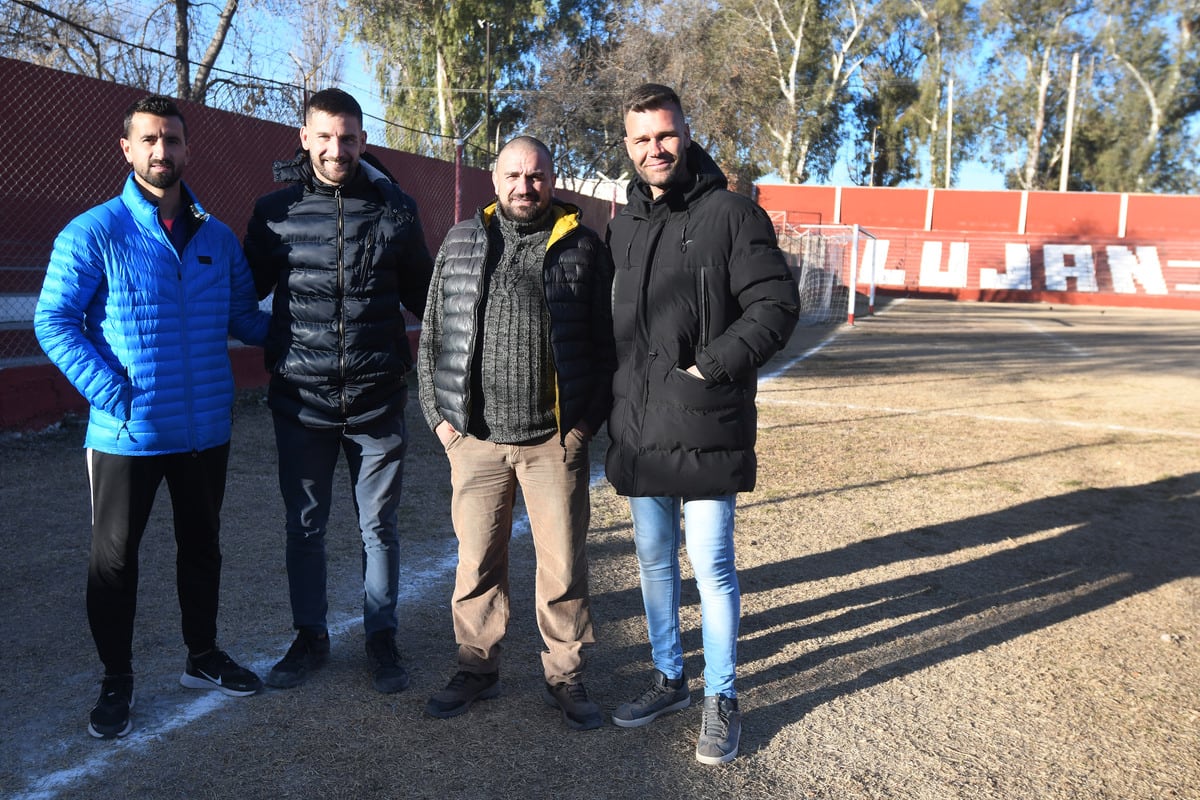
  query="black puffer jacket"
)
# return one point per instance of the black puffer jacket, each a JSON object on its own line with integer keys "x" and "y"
{"x": 577, "y": 280}
{"x": 342, "y": 261}
{"x": 699, "y": 281}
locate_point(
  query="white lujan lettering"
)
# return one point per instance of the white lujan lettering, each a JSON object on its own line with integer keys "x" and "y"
{"x": 875, "y": 254}
{"x": 1082, "y": 267}
{"x": 1126, "y": 269}
{"x": 1129, "y": 268}
{"x": 955, "y": 274}
{"x": 1017, "y": 275}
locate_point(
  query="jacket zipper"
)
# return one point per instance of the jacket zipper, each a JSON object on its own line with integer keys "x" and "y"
{"x": 340, "y": 299}
{"x": 185, "y": 339}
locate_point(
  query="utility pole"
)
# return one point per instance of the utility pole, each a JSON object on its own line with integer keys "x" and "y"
{"x": 1070, "y": 130}
{"x": 874, "y": 135}
{"x": 487, "y": 80}
{"x": 949, "y": 130}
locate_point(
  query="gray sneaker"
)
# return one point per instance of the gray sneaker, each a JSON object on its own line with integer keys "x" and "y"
{"x": 663, "y": 695}
{"x": 720, "y": 729}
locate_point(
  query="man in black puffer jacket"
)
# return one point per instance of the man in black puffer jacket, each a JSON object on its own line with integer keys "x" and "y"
{"x": 702, "y": 298}
{"x": 343, "y": 250}
{"x": 515, "y": 365}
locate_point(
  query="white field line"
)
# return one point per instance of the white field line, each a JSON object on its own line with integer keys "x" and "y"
{"x": 812, "y": 351}
{"x": 762, "y": 400}
{"x": 922, "y": 412}
{"x": 1058, "y": 340}
{"x": 421, "y": 582}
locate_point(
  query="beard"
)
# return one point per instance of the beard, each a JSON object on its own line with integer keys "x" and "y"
{"x": 523, "y": 213}
{"x": 161, "y": 180}
{"x": 335, "y": 173}
{"x": 675, "y": 176}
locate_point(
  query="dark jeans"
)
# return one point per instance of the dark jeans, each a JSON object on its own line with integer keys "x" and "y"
{"x": 123, "y": 490}
{"x": 375, "y": 456}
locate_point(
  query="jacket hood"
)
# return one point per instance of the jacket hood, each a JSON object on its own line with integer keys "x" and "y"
{"x": 705, "y": 177}
{"x": 297, "y": 170}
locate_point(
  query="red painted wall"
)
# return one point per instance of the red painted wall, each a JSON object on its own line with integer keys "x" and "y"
{"x": 1086, "y": 248}
{"x": 68, "y": 159}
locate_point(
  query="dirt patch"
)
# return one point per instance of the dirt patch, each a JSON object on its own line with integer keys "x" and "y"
{"x": 970, "y": 570}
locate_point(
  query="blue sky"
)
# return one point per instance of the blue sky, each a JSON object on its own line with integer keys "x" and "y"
{"x": 359, "y": 80}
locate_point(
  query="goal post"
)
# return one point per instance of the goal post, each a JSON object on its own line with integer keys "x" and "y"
{"x": 827, "y": 261}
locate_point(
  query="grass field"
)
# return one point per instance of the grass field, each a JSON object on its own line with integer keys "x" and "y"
{"x": 971, "y": 569}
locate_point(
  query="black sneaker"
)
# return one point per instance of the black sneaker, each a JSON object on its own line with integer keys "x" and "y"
{"x": 385, "y": 661}
{"x": 463, "y": 690}
{"x": 309, "y": 651}
{"x": 110, "y": 716}
{"x": 720, "y": 730}
{"x": 216, "y": 670}
{"x": 578, "y": 711}
{"x": 663, "y": 695}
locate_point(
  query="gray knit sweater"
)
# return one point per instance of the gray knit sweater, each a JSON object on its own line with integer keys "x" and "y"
{"x": 512, "y": 374}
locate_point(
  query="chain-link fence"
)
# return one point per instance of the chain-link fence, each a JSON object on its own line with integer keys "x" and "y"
{"x": 64, "y": 131}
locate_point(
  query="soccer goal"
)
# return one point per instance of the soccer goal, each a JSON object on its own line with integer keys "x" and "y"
{"x": 826, "y": 262}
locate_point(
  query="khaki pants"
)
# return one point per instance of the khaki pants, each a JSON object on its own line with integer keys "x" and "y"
{"x": 554, "y": 483}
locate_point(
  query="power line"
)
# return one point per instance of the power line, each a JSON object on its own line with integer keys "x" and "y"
{"x": 227, "y": 73}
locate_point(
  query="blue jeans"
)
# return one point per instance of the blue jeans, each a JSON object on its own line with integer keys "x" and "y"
{"x": 307, "y": 458}
{"x": 708, "y": 523}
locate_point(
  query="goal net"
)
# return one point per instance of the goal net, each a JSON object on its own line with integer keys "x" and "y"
{"x": 824, "y": 260}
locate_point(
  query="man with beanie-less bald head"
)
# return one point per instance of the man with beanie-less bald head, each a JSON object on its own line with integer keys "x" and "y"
{"x": 515, "y": 367}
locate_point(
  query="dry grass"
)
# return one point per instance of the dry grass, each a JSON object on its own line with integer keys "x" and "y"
{"x": 970, "y": 570}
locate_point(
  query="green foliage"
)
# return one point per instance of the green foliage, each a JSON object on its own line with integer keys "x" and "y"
{"x": 770, "y": 86}
{"x": 440, "y": 62}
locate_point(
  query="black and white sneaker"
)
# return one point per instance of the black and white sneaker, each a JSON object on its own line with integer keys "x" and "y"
{"x": 110, "y": 716}
{"x": 216, "y": 670}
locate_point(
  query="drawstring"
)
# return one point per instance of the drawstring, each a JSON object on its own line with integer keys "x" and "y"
{"x": 683, "y": 240}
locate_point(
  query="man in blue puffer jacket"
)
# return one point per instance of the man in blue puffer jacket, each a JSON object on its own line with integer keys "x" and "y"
{"x": 140, "y": 298}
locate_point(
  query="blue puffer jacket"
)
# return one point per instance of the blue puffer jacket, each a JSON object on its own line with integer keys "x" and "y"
{"x": 141, "y": 332}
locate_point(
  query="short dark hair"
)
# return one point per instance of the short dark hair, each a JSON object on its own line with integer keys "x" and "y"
{"x": 333, "y": 101}
{"x": 651, "y": 97}
{"x": 530, "y": 141}
{"x": 155, "y": 104}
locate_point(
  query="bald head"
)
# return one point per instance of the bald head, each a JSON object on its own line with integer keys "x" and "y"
{"x": 523, "y": 179}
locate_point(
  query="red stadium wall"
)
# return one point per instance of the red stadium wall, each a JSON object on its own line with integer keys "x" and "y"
{"x": 1082, "y": 248}
{"x": 69, "y": 128}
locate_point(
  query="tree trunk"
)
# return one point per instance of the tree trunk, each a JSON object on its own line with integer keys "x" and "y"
{"x": 204, "y": 72}
{"x": 183, "y": 82}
